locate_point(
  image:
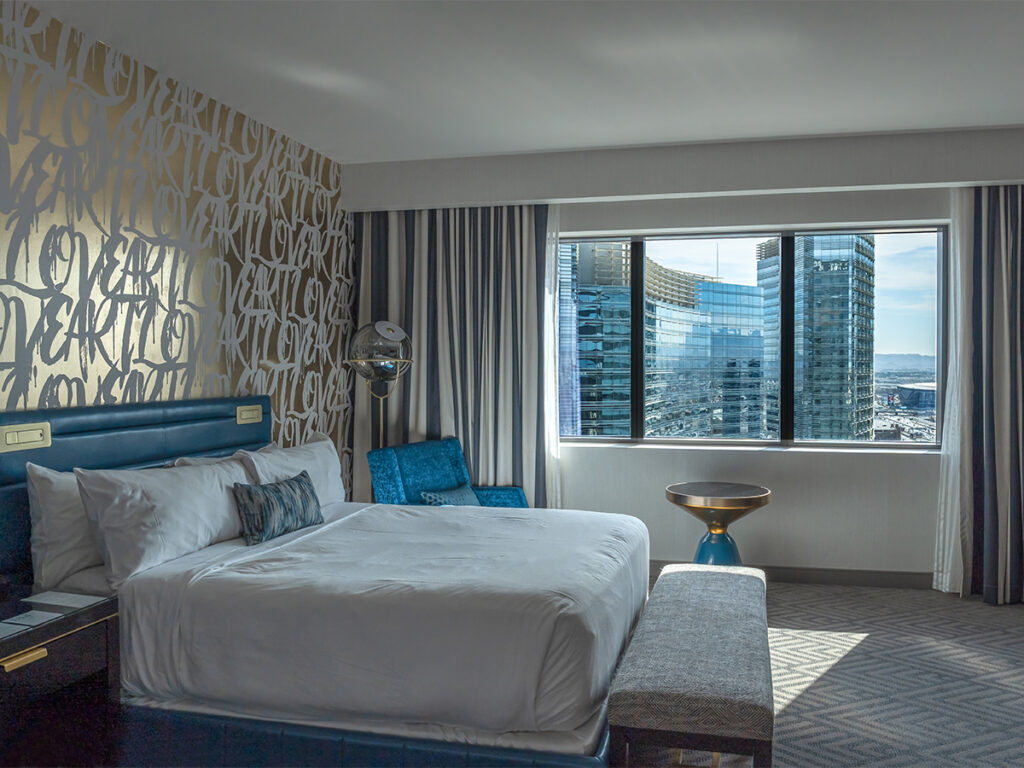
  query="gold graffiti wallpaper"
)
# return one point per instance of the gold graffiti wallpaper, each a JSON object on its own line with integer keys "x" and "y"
{"x": 158, "y": 245}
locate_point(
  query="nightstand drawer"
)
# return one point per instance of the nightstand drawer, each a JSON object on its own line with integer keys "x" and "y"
{"x": 66, "y": 660}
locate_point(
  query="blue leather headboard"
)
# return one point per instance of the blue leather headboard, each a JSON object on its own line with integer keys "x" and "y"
{"x": 115, "y": 436}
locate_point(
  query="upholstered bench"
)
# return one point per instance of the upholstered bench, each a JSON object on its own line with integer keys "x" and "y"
{"x": 697, "y": 673}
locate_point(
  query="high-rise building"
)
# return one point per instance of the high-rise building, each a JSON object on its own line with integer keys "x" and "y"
{"x": 568, "y": 340}
{"x": 738, "y": 368}
{"x": 768, "y": 273}
{"x": 594, "y": 382}
{"x": 834, "y": 305}
{"x": 704, "y": 358}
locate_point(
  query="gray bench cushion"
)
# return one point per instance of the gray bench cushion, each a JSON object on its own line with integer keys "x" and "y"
{"x": 698, "y": 661}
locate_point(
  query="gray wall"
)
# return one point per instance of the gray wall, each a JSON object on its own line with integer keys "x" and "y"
{"x": 863, "y": 509}
{"x": 878, "y": 161}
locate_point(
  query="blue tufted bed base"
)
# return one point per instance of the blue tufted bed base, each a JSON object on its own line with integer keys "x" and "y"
{"x": 150, "y": 434}
{"x": 160, "y": 737}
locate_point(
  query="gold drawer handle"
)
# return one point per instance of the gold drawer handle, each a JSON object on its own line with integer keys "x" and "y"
{"x": 23, "y": 659}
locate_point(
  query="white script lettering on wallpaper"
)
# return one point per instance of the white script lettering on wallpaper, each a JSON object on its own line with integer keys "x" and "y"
{"x": 161, "y": 245}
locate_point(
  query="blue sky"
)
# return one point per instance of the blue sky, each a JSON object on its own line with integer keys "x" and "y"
{"x": 905, "y": 292}
{"x": 905, "y": 271}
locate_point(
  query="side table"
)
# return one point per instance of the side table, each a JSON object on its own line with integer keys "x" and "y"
{"x": 49, "y": 644}
{"x": 717, "y": 505}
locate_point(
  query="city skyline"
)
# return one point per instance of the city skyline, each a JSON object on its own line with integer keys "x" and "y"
{"x": 711, "y": 335}
{"x": 905, "y": 270}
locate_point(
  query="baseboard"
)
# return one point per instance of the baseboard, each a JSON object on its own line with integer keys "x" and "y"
{"x": 851, "y": 578}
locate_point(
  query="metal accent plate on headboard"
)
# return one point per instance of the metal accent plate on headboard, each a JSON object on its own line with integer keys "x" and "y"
{"x": 248, "y": 414}
{"x": 23, "y": 437}
{"x": 114, "y": 436}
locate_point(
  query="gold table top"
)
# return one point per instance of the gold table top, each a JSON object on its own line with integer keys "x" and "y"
{"x": 718, "y": 504}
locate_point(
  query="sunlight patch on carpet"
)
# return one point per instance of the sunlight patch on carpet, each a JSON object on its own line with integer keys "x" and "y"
{"x": 801, "y": 657}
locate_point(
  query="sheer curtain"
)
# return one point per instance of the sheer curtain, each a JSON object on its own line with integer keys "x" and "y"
{"x": 954, "y": 474}
{"x": 475, "y": 288}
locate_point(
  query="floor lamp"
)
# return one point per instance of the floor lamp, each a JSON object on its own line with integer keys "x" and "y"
{"x": 380, "y": 352}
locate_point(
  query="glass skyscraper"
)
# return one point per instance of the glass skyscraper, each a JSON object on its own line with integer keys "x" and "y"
{"x": 768, "y": 274}
{"x": 834, "y": 307}
{"x": 704, "y": 359}
{"x": 568, "y": 336}
{"x": 736, "y": 327}
{"x": 594, "y": 378}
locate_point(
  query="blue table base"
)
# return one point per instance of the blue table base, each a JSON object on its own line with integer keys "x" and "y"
{"x": 717, "y": 549}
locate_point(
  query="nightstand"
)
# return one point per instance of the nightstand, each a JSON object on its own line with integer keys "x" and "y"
{"x": 60, "y": 666}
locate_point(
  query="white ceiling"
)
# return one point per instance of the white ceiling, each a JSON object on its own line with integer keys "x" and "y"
{"x": 382, "y": 81}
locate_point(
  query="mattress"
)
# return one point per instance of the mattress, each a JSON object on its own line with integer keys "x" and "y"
{"x": 484, "y": 625}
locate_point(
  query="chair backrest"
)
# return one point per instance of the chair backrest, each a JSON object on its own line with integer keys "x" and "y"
{"x": 402, "y": 472}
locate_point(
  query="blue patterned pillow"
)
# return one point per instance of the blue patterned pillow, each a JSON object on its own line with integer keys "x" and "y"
{"x": 273, "y": 509}
{"x": 463, "y": 496}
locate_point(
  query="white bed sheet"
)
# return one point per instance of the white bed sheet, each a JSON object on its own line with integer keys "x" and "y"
{"x": 490, "y": 626}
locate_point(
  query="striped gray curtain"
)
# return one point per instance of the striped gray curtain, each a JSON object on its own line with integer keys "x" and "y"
{"x": 993, "y": 546}
{"x": 474, "y": 288}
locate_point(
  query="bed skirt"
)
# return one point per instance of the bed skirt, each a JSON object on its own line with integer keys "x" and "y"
{"x": 156, "y": 737}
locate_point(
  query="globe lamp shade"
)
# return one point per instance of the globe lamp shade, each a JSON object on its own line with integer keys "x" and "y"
{"x": 380, "y": 351}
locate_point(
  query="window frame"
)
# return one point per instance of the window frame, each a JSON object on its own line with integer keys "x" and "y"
{"x": 787, "y": 337}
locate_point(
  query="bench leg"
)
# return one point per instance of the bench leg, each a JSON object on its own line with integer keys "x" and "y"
{"x": 618, "y": 749}
{"x": 763, "y": 754}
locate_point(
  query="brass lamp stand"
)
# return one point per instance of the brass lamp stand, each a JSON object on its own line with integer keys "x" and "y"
{"x": 389, "y": 387}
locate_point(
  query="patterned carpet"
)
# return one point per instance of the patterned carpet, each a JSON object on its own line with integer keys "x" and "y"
{"x": 875, "y": 677}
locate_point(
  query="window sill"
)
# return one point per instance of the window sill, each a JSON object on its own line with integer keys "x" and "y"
{"x": 750, "y": 445}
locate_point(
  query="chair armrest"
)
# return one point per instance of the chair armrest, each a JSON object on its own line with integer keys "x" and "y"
{"x": 501, "y": 496}
{"x": 386, "y": 477}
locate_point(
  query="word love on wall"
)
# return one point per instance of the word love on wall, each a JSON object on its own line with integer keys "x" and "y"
{"x": 160, "y": 245}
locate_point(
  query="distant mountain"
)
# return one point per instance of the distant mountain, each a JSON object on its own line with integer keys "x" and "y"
{"x": 905, "y": 363}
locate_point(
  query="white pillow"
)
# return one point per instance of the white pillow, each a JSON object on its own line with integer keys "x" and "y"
{"x": 195, "y": 461}
{"x": 91, "y": 581}
{"x": 149, "y": 516}
{"x": 63, "y": 542}
{"x": 319, "y": 458}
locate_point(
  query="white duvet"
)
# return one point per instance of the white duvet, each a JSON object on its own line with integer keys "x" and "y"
{"x": 486, "y": 619}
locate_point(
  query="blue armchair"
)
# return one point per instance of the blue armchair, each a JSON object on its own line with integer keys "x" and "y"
{"x": 401, "y": 473}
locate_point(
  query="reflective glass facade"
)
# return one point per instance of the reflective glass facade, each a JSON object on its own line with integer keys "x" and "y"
{"x": 834, "y": 333}
{"x": 768, "y": 273}
{"x": 704, "y": 364}
{"x": 594, "y": 351}
{"x": 834, "y": 326}
{"x": 568, "y": 335}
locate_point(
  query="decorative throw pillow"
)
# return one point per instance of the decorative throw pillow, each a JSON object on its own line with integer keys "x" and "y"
{"x": 273, "y": 509}
{"x": 463, "y": 496}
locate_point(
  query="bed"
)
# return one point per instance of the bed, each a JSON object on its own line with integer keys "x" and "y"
{"x": 387, "y": 635}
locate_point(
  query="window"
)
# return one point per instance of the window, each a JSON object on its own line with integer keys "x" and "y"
{"x": 807, "y": 336}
